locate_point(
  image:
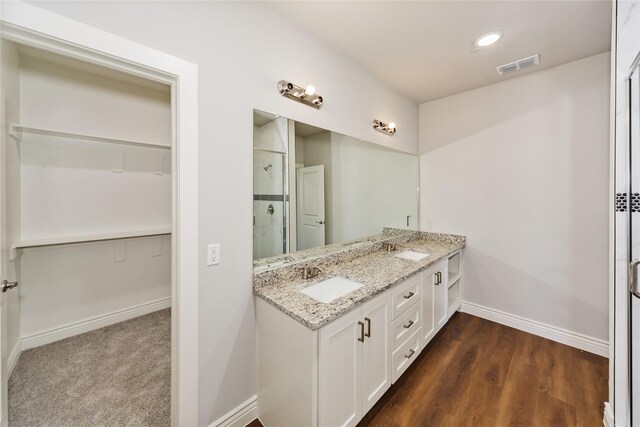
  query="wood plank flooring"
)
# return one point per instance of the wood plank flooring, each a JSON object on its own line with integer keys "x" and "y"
{"x": 480, "y": 373}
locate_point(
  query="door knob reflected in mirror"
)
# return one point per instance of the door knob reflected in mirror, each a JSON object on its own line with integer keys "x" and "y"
{"x": 8, "y": 285}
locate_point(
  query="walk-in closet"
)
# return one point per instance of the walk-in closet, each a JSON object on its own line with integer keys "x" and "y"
{"x": 86, "y": 164}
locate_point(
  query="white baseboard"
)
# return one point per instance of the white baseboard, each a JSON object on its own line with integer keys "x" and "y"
{"x": 563, "y": 336}
{"x": 240, "y": 416}
{"x": 12, "y": 359}
{"x": 608, "y": 415}
{"x": 71, "y": 329}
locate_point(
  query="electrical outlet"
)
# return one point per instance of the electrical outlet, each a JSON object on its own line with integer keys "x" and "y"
{"x": 213, "y": 254}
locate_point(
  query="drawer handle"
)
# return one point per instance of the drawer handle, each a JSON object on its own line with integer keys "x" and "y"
{"x": 408, "y": 324}
{"x": 361, "y": 339}
{"x": 438, "y": 278}
{"x": 409, "y": 295}
{"x": 411, "y": 353}
{"x": 368, "y": 333}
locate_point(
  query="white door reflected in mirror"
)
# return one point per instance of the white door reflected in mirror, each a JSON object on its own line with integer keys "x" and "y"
{"x": 311, "y": 224}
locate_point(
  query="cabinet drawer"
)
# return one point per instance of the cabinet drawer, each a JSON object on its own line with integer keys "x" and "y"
{"x": 405, "y": 295}
{"x": 404, "y": 356}
{"x": 406, "y": 324}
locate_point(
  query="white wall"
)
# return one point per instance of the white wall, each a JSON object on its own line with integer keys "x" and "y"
{"x": 373, "y": 187}
{"x": 521, "y": 169}
{"x": 300, "y": 142}
{"x": 10, "y": 82}
{"x": 91, "y": 102}
{"x": 273, "y": 136}
{"x": 70, "y": 188}
{"x": 367, "y": 187}
{"x": 243, "y": 50}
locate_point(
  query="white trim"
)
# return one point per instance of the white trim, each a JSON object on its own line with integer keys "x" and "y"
{"x": 607, "y": 419}
{"x": 29, "y": 25}
{"x": 12, "y": 359}
{"x": 76, "y": 328}
{"x": 240, "y": 416}
{"x": 563, "y": 336}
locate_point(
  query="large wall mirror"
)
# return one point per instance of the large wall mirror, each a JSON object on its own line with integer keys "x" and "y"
{"x": 313, "y": 187}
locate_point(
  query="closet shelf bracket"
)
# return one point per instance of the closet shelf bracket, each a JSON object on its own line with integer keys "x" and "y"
{"x": 14, "y": 253}
{"x": 15, "y": 133}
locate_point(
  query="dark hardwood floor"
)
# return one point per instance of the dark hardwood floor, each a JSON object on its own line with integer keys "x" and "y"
{"x": 479, "y": 373}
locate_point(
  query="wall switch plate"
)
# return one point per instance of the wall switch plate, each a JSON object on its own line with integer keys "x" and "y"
{"x": 213, "y": 254}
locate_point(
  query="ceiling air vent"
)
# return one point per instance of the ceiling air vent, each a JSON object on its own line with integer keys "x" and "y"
{"x": 520, "y": 64}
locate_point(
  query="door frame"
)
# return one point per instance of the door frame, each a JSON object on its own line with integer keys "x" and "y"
{"x": 29, "y": 25}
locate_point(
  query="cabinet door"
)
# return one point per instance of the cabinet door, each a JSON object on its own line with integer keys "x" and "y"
{"x": 340, "y": 371}
{"x": 441, "y": 294}
{"x": 376, "y": 350}
{"x": 428, "y": 305}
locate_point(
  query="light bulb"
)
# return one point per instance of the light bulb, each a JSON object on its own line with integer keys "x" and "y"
{"x": 488, "y": 39}
{"x": 392, "y": 125}
{"x": 310, "y": 90}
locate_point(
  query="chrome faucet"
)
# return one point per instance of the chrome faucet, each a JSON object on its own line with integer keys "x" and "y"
{"x": 315, "y": 271}
{"x": 310, "y": 272}
{"x": 390, "y": 247}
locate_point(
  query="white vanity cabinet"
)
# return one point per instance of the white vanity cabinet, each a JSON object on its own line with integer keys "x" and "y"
{"x": 354, "y": 363}
{"x": 334, "y": 375}
{"x": 328, "y": 377}
{"x": 441, "y": 294}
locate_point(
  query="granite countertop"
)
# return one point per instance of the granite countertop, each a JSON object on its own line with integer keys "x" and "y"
{"x": 376, "y": 269}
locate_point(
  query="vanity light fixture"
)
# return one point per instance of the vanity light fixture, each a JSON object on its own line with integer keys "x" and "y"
{"x": 488, "y": 39}
{"x": 388, "y": 128}
{"x": 305, "y": 95}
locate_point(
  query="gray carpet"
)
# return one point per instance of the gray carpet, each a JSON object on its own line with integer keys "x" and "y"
{"x": 115, "y": 376}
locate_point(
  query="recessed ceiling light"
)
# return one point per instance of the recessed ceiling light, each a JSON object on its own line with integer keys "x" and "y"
{"x": 488, "y": 39}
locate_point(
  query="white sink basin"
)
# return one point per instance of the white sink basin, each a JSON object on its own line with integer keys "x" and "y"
{"x": 331, "y": 289}
{"x": 412, "y": 255}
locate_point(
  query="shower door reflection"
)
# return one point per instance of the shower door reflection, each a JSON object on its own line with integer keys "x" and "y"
{"x": 270, "y": 198}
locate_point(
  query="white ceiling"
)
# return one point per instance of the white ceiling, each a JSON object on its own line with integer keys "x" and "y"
{"x": 426, "y": 49}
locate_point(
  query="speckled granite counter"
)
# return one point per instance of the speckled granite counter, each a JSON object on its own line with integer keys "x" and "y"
{"x": 376, "y": 269}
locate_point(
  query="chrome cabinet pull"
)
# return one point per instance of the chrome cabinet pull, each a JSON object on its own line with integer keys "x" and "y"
{"x": 438, "y": 278}
{"x": 408, "y": 324}
{"x": 368, "y": 333}
{"x": 409, "y": 295}
{"x": 633, "y": 277}
{"x": 411, "y": 353}
{"x": 361, "y": 339}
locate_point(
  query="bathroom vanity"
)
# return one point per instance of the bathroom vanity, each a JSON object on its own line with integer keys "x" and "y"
{"x": 327, "y": 363}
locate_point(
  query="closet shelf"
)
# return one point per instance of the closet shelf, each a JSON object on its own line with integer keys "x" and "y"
{"x": 54, "y": 241}
{"x": 16, "y": 131}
